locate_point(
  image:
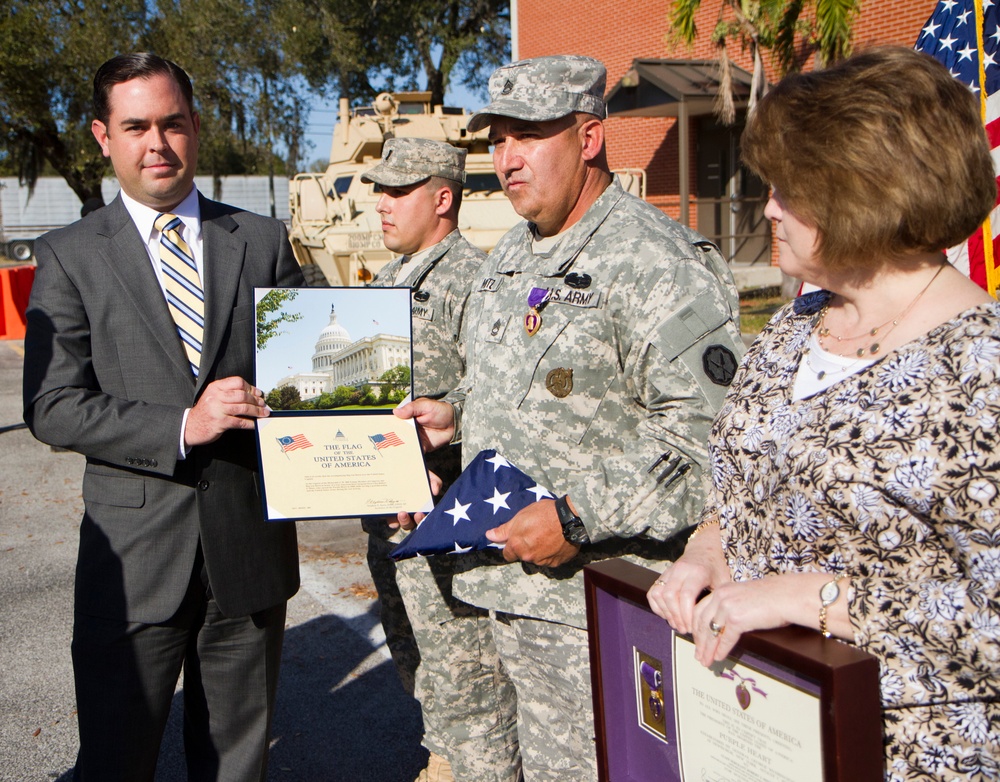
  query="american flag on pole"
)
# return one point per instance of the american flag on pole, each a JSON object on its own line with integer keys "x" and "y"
{"x": 387, "y": 440}
{"x": 963, "y": 35}
{"x": 487, "y": 494}
{"x": 293, "y": 443}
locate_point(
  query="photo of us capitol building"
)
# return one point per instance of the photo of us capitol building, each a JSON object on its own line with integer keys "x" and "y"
{"x": 341, "y": 361}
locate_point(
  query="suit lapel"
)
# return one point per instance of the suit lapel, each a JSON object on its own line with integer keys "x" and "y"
{"x": 224, "y": 254}
{"x": 128, "y": 261}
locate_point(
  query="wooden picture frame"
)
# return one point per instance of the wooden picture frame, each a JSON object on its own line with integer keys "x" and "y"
{"x": 635, "y": 657}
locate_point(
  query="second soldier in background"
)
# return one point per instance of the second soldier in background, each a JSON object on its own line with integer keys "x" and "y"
{"x": 460, "y": 694}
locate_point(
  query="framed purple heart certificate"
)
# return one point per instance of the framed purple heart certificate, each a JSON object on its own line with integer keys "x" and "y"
{"x": 787, "y": 706}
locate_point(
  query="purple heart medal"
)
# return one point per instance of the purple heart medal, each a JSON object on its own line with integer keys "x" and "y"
{"x": 536, "y": 300}
{"x": 654, "y": 681}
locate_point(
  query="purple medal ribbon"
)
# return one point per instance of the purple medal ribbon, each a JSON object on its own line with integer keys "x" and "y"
{"x": 538, "y": 297}
{"x": 533, "y": 321}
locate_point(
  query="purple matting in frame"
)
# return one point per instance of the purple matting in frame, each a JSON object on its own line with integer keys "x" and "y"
{"x": 622, "y": 628}
{"x": 626, "y": 627}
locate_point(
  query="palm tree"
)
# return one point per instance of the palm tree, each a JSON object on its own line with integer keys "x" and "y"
{"x": 770, "y": 25}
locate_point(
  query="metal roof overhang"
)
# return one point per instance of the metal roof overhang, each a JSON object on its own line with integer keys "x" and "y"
{"x": 675, "y": 88}
{"x": 659, "y": 88}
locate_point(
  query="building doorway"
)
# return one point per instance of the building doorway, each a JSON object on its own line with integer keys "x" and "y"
{"x": 730, "y": 202}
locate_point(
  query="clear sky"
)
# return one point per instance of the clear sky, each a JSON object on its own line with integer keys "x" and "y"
{"x": 362, "y": 311}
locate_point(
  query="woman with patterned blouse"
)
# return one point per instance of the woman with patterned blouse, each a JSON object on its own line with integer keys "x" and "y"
{"x": 856, "y": 460}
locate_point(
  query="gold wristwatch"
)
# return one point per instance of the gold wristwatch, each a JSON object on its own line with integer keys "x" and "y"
{"x": 828, "y": 595}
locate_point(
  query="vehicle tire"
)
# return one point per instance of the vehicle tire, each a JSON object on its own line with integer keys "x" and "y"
{"x": 314, "y": 276}
{"x": 21, "y": 250}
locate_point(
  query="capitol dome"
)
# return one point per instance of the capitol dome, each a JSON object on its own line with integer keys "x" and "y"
{"x": 332, "y": 339}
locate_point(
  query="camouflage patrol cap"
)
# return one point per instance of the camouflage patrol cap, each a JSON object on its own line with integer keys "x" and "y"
{"x": 406, "y": 161}
{"x": 545, "y": 88}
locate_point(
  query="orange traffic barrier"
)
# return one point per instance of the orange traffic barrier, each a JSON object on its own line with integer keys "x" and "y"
{"x": 15, "y": 288}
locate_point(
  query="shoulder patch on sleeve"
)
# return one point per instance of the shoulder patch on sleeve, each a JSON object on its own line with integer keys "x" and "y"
{"x": 685, "y": 327}
{"x": 719, "y": 364}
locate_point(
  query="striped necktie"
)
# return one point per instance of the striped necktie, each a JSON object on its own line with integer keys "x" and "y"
{"x": 185, "y": 297}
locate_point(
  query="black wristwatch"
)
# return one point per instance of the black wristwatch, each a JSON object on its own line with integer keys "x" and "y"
{"x": 572, "y": 526}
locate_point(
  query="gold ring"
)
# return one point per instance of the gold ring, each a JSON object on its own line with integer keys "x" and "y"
{"x": 716, "y": 628}
{"x": 661, "y": 583}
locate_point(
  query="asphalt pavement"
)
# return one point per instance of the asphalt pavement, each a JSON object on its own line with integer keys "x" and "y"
{"x": 342, "y": 715}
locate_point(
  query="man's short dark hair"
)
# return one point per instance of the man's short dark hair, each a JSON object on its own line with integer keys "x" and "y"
{"x": 138, "y": 65}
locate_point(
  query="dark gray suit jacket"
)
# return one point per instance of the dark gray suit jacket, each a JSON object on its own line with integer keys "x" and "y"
{"x": 105, "y": 375}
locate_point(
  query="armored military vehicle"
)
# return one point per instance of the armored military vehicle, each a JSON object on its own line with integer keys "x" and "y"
{"x": 335, "y": 232}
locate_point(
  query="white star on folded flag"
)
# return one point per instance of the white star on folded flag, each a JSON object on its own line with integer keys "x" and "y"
{"x": 458, "y": 513}
{"x": 498, "y": 461}
{"x": 541, "y": 493}
{"x": 498, "y": 500}
{"x": 488, "y": 493}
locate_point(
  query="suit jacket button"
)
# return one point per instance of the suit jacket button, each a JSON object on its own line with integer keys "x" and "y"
{"x": 152, "y": 462}
{"x": 203, "y": 485}
{"x": 129, "y": 460}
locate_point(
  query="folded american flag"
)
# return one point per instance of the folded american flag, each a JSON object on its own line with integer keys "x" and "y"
{"x": 487, "y": 494}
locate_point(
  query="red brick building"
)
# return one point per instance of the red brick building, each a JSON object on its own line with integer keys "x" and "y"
{"x": 723, "y": 203}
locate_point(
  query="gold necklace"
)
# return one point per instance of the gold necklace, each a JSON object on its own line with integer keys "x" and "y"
{"x": 822, "y": 373}
{"x": 822, "y": 331}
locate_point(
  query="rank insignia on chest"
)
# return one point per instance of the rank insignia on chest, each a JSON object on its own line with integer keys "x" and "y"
{"x": 559, "y": 382}
{"x": 719, "y": 364}
{"x": 495, "y": 331}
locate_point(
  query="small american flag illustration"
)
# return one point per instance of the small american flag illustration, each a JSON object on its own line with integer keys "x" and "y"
{"x": 294, "y": 442}
{"x": 387, "y": 440}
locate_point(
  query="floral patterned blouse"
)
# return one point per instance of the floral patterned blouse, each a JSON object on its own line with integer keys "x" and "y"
{"x": 890, "y": 475}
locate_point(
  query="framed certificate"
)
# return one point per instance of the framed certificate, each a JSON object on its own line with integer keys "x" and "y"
{"x": 788, "y": 704}
{"x": 333, "y": 363}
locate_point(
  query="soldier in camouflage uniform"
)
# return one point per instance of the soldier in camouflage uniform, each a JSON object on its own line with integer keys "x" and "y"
{"x": 427, "y": 630}
{"x": 600, "y": 341}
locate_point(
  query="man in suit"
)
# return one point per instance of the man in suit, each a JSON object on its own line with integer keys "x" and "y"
{"x": 176, "y": 566}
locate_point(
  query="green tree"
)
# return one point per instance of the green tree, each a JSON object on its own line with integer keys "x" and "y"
{"x": 49, "y": 51}
{"x": 779, "y": 26}
{"x": 343, "y": 395}
{"x": 465, "y": 36}
{"x": 395, "y": 384}
{"x": 249, "y": 96}
{"x": 367, "y": 396}
{"x": 283, "y": 398}
{"x": 325, "y": 401}
{"x": 268, "y": 323}
{"x": 358, "y": 47}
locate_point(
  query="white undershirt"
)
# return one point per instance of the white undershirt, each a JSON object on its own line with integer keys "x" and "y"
{"x": 410, "y": 262}
{"x": 833, "y": 367}
{"x": 542, "y": 244}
